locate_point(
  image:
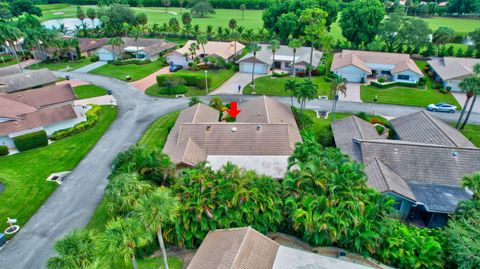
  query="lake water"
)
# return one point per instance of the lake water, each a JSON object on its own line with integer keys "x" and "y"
{"x": 69, "y": 23}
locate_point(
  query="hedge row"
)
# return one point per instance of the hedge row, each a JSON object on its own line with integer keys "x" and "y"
{"x": 180, "y": 89}
{"x": 393, "y": 84}
{"x": 3, "y": 150}
{"x": 132, "y": 61}
{"x": 92, "y": 118}
{"x": 195, "y": 80}
{"x": 31, "y": 140}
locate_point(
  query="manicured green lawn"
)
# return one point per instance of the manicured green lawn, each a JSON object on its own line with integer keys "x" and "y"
{"x": 320, "y": 124}
{"x": 24, "y": 174}
{"x": 156, "y": 134}
{"x": 136, "y": 72}
{"x": 218, "y": 77}
{"x": 71, "y": 65}
{"x": 268, "y": 86}
{"x": 89, "y": 91}
{"x": 472, "y": 132}
{"x": 460, "y": 25}
{"x": 8, "y": 63}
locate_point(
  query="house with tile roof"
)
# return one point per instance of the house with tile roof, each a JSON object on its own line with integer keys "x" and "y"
{"x": 422, "y": 169}
{"x": 262, "y": 138}
{"x": 283, "y": 60}
{"x": 356, "y": 65}
{"x": 245, "y": 248}
{"x": 224, "y": 50}
{"x": 450, "y": 71}
{"x": 13, "y": 82}
{"x": 142, "y": 48}
{"x": 50, "y": 108}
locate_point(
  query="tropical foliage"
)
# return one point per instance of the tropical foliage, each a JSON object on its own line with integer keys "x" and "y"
{"x": 229, "y": 197}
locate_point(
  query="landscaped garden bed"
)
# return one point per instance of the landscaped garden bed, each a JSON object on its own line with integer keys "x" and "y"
{"x": 26, "y": 189}
{"x": 275, "y": 86}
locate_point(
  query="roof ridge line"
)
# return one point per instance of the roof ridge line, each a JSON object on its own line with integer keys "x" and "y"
{"x": 409, "y": 143}
{"x": 248, "y": 228}
{"x": 383, "y": 174}
{"x": 195, "y": 115}
{"x": 358, "y": 126}
{"x": 266, "y": 108}
{"x": 441, "y": 130}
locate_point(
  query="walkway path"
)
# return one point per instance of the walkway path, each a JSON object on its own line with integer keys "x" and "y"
{"x": 353, "y": 93}
{"x": 231, "y": 85}
{"x": 461, "y": 97}
{"x": 89, "y": 67}
{"x": 99, "y": 100}
{"x": 149, "y": 80}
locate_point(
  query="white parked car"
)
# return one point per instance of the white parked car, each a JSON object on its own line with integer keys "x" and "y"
{"x": 442, "y": 107}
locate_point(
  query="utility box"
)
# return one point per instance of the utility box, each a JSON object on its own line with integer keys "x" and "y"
{"x": 3, "y": 240}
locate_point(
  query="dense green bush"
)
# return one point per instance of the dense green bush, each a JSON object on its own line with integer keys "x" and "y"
{"x": 381, "y": 79}
{"x": 3, "y": 150}
{"x": 226, "y": 198}
{"x": 131, "y": 61}
{"x": 195, "y": 80}
{"x": 179, "y": 89}
{"x": 302, "y": 119}
{"x": 94, "y": 58}
{"x": 393, "y": 84}
{"x": 379, "y": 129}
{"x": 92, "y": 118}
{"x": 31, "y": 140}
{"x": 437, "y": 86}
{"x": 422, "y": 81}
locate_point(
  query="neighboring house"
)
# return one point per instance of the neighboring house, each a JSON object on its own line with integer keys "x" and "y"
{"x": 245, "y": 248}
{"x": 356, "y": 65}
{"x": 450, "y": 71}
{"x": 262, "y": 138}
{"x": 87, "y": 47}
{"x": 29, "y": 79}
{"x": 224, "y": 50}
{"x": 283, "y": 60}
{"x": 148, "y": 49}
{"x": 50, "y": 109}
{"x": 422, "y": 170}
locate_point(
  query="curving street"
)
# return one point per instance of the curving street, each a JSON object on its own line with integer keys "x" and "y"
{"x": 73, "y": 203}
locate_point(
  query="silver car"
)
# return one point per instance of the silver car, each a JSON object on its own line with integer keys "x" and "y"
{"x": 442, "y": 107}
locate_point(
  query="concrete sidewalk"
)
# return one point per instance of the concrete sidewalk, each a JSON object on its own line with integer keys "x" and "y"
{"x": 231, "y": 85}
{"x": 90, "y": 67}
{"x": 149, "y": 80}
{"x": 461, "y": 97}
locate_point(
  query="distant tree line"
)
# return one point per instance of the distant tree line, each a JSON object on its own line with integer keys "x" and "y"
{"x": 227, "y": 4}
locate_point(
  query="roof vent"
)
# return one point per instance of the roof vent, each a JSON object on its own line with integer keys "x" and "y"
{"x": 234, "y": 129}
{"x": 259, "y": 114}
{"x": 258, "y": 127}
{"x": 208, "y": 127}
{"x": 455, "y": 154}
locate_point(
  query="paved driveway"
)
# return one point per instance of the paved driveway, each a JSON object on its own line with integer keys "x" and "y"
{"x": 149, "y": 80}
{"x": 461, "y": 97}
{"x": 89, "y": 67}
{"x": 353, "y": 93}
{"x": 231, "y": 85}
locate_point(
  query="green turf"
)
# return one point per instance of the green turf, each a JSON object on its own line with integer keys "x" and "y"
{"x": 24, "y": 174}
{"x": 319, "y": 124}
{"x": 268, "y": 86}
{"x": 136, "y": 72}
{"x": 218, "y": 77}
{"x": 472, "y": 132}
{"x": 156, "y": 134}
{"x": 89, "y": 91}
{"x": 71, "y": 65}
{"x": 462, "y": 26}
{"x": 8, "y": 63}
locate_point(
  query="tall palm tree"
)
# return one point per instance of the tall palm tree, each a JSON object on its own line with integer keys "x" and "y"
{"x": 291, "y": 86}
{"x": 294, "y": 44}
{"x": 9, "y": 35}
{"x": 475, "y": 92}
{"x": 120, "y": 239}
{"x": 339, "y": 85}
{"x": 122, "y": 193}
{"x": 115, "y": 42}
{"x": 156, "y": 210}
{"x": 235, "y": 36}
{"x": 274, "y": 46}
{"x": 306, "y": 91}
{"x": 136, "y": 33}
{"x": 468, "y": 86}
{"x": 202, "y": 41}
{"x": 253, "y": 48}
{"x": 75, "y": 250}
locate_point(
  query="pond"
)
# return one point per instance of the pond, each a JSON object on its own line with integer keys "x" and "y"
{"x": 69, "y": 23}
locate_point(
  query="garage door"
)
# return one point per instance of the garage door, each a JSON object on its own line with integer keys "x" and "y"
{"x": 105, "y": 56}
{"x": 351, "y": 77}
{"x": 259, "y": 68}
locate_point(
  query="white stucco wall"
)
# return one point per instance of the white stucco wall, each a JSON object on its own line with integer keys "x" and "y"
{"x": 104, "y": 55}
{"x": 414, "y": 77}
{"x": 177, "y": 60}
{"x": 6, "y": 141}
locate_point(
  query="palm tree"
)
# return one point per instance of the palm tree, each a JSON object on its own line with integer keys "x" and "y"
{"x": 126, "y": 28}
{"x": 115, "y": 42}
{"x": 120, "y": 239}
{"x": 92, "y": 14}
{"x": 274, "y": 46}
{"x": 473, "y": 183}
{"x": 468, "y": 85}
{"x": 294, "y": 44}
{"x": 253, "y": 48}
{"x": 9, "y": 35}
{"x": 122, "y": 193}
{"x": 202, "y": 41}
{"x": 156, "y": 210}
{"x": 291, "y": 86}
{"x": 136, "y": 33}
{"x": 216, "y": 103}
{"x": 339, "y": 84}
{"x": 75, "y": 250}
{"x": 235, "y": 36}
{"x": 475, "y": 92}
{"x": 306, "y": 91}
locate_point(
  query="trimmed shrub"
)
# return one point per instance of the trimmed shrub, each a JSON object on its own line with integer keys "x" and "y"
{"x": 381, "y": 79}
{"x": 94, "y": 58}
{"x": 391, "y": 133}
{"x": 31, "y": 140}
{"x": 393, "y": 84}
{"x": 437, "y": 86}
{"x": 92, "y": 118}
{"x": 195, "y": 80}
{"x": 132, "y": 61}
{"x": 362, "y": 80}
{"x": 422, "y": 81}
{"x": 280, "y": 75}
{"x": 379, "y": 129}
{"x": 3, "y": 150}
{"x": 449, "y": 89}
{"x": 179, "y": 89}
